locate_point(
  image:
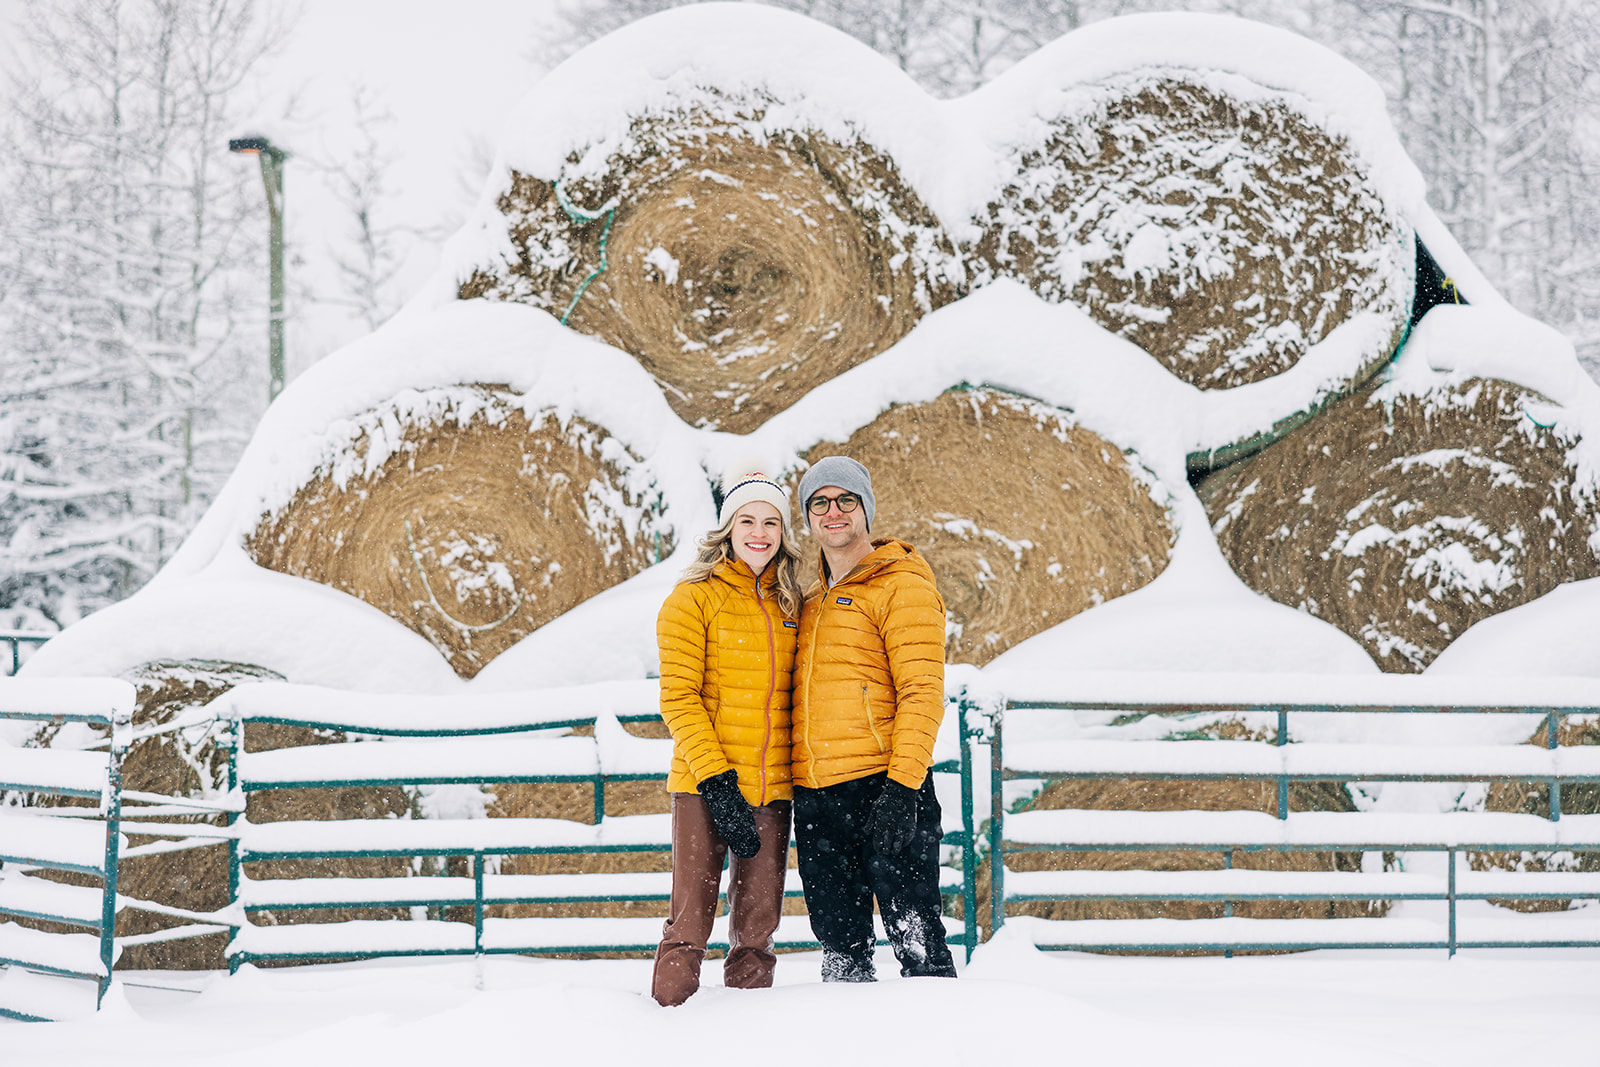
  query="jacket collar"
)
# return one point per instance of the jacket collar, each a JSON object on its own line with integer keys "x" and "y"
{"x": 736, "y": 574}
{"x": 885, "y": 552}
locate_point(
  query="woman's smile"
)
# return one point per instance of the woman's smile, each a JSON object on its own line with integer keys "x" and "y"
{"x": 757, "y": 529}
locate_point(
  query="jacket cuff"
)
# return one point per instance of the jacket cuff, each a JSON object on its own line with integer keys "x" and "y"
{"x": 903, "y": 775}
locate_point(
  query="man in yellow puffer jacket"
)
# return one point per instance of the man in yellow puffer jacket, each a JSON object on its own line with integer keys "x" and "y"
{"x": 868, "y": 699}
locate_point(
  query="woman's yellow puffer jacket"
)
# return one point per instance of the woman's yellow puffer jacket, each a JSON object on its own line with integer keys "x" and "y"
{"x": 727, "y": 659}
{"x": 869, "y": 679}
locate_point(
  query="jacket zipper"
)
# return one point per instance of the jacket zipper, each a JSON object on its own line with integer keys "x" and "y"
{"x": 772, "y": 685}
{"x": 872, "y": 727}
{"x": 811, "y": 662}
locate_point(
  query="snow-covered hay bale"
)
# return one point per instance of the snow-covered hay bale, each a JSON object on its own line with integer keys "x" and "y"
{"x": 575, "y": 801}
{"x": 189, "y": 763}
{"x": 1026, "y": 517}
{"x": 470, "y": 518}
{"x": 1403, "y": 518}
{"x": 1533, "y": 798}
{"x": 1158, "y": 795}
{"x": 1142, "y": 795}
{"x": 1209, "y": 222}
{"x": 745, "y": 261}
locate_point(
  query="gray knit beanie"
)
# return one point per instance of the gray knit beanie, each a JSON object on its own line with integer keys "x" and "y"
{"x": 847, "y": 474}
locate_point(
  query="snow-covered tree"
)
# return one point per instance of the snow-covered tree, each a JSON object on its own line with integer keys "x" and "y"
{"x": 125, "y": 255}
{"x": 372, "y": 249}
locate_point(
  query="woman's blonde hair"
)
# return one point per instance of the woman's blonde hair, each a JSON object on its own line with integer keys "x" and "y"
{"x": 717, "y": 546}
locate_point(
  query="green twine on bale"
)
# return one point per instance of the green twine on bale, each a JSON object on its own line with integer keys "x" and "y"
{"x": 582, "y": 217}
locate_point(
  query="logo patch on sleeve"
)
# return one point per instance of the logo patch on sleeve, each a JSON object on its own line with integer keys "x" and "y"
{"x": 842, "y": 600}
{"x": 791, "y": 625}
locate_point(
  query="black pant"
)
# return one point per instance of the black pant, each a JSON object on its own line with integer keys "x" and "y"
{"x": 842, "y": 872}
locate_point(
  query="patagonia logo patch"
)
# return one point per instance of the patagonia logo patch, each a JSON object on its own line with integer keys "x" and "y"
{"x": 842, "y": 600}
{"x": 791, "y": 625}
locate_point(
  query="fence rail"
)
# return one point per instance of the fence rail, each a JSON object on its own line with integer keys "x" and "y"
{"x": 15, "y": 640}
{"x": 483, "y": 748}
{"x": 44, "y": 842}
{"x": 1054, "y": 745}
{"x": 1036, "y": 729}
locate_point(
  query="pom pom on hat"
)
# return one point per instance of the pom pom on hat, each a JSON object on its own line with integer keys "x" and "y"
{"x": 751, "y": 487}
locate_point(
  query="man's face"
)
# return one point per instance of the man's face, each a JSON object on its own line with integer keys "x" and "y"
{"x": 836, "y": 528}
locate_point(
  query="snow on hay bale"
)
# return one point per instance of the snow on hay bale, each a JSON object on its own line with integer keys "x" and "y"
{"x": 1404, "y": 517}
{"x": 1207, "y": 221}
{"x": 469, "y": 517}
{"x": 1533, "y": 798}
{"x": 742, "y": 262}
{"x": 1026, "y": 517}
{"x": 189, "y": 763}
{"x": 1143, "y": 795}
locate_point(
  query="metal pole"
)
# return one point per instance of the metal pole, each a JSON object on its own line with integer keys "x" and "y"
{"x": 1553, "y": 732}
{"x": 997, "y": 818}
{"x": 969, "y": 852}
{"x": 235, "y": 743}
{"x": 272, "y": 177}
{"x": 121, "y": 740}
{"x": 1283, "y": 779}
{"x": 1452, "y": 887}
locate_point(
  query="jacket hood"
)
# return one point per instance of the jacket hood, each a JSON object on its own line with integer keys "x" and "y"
{"x": 888, "y": 553}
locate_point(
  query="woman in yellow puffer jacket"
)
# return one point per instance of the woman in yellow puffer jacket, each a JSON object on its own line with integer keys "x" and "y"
{"x": 726, "y": 636}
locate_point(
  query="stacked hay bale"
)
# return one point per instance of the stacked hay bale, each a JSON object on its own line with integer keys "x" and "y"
{"x": 1403, "y": 518}
{"x": 1216, "y": 227}
{"x": 1136, "y": 795}
{"x": 1026, "y": 517}
{"x": 189, "y": 763}
{"x": 470, "y": 519}
{"x": 1158, "y": 795}
{"x": 743, "y": 263}
{"x": 575, "y": 801}
{"x": 1531, "y": 798}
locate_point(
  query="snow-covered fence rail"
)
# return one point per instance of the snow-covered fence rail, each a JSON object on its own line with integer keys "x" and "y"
{"x": 1319, "y": 729}
{"x": 51, "y": 839}
{"x": 422, "y": 741}
{"x": 14, "y": 640}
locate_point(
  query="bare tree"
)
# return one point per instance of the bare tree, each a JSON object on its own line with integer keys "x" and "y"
{"x": 123, "y": 256}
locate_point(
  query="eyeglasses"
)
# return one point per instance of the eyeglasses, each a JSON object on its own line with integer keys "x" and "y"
{"x": 818, "y": 505}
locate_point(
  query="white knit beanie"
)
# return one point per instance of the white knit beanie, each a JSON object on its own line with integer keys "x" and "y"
{"x": 749, "y": 487}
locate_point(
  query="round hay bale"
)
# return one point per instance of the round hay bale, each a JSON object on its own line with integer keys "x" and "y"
{"x": 1165, "y": 795}
{"x": 1026, "y": 517}
{"x": 1403, "y": 519}
{"x": 189, "y": 764}
{"x": 1532, "y": 798}
{"x": 1223, "y": 234}
{"x": 470, "y": 520}
{"x": 743, "y": 266}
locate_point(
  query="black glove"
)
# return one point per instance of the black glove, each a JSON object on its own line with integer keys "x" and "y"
{"x": 731, "y": 813}
{"x": 894, "y": 819}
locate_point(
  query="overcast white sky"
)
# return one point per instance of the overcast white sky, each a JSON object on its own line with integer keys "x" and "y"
{"x": 448, "y": 71}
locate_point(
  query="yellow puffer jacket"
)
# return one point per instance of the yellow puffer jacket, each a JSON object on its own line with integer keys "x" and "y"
{"x": 869, "y": 676}
{"x": 727, "y": 661}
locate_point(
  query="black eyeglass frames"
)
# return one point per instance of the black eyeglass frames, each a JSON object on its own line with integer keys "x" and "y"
{"x": 818, "y": 505}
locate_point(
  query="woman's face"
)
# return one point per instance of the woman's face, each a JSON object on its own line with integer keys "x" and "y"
{"x": 757, "y": 532}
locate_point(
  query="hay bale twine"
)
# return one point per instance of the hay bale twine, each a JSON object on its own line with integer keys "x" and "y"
{"x": 1224, "y": 235}
{"x": 470, "y": 519}
{"x": 1026, "y": 517}
{"x": 1404, "y": 518}
{"x": 1533, "y": 798}
{"x": 743, "y": 266}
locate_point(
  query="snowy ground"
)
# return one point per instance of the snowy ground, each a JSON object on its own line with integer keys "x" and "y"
{"x": 1013, "y": 1004}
